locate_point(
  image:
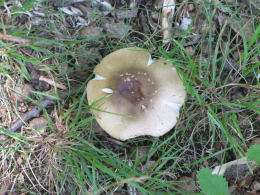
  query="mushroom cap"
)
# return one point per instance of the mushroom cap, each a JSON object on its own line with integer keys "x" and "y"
{"x": 132, "y": 95}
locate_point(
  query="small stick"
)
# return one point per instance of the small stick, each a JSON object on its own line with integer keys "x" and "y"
{"x": 21, "y": 40}
{"x": 36, "y": 111}
{"x": 14, "y": 39}
{"x": 52, "y": 83}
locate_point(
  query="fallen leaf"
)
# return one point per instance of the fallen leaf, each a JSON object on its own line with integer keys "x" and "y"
{"x": 37, "y": 123}
{"x": 186, "y": 184}
{"x": 72, "y": 11}
{"x": 90, "y": 31}
{"x": 122, "y": 14}
{"x": 118, "y": 30}
{"x": 25, "y": 89}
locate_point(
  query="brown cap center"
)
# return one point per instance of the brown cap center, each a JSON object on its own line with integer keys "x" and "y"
{"x": 130, "y": 88}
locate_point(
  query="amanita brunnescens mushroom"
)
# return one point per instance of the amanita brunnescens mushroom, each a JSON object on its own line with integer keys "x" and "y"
{"x": 132, "y": 95}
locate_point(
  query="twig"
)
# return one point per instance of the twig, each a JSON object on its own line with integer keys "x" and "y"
{"x": 36, "y": 111}
{"x": 21, "y": 40}
{"x": 167, "y": 17}
{"x": 15, "y": 39}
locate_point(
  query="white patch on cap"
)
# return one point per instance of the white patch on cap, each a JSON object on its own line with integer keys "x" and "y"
{"x": 150, "y": 61}
{"x": 107, "y": 90}
{"x": 174, "y": 106}
{"x": 98, "y": 77}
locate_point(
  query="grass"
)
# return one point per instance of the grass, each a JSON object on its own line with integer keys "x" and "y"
{"x": 71, "y": 158}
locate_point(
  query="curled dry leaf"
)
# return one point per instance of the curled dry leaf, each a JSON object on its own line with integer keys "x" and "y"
{"x": 72, "y": 11}
{"x": 167, "y": 17}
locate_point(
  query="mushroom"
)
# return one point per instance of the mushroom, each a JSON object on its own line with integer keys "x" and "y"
{"x": 132, "y": 95}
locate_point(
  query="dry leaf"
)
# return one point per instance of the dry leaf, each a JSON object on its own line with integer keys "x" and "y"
{"x": 187, "y": 184}
{"x": 72, "y": 11}
{"x": 118, "y": 30}
{"x": 90, "y": 31}
{"x": 37, "y": 123}
{"x": 26, "y": 90}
